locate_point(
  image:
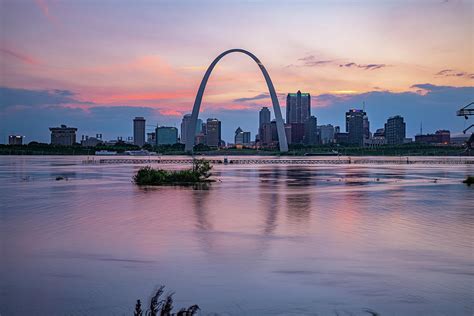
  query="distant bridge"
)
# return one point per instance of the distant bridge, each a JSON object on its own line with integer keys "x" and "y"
{"x": 287, "y": 161}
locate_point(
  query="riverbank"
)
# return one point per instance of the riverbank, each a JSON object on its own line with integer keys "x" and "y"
{"x": 296, "y": 150}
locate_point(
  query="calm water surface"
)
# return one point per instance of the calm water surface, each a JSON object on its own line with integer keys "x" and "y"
{"x": 263, "y": 240}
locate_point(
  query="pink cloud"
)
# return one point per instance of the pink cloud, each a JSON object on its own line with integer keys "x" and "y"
{"x": 20, "y": 56}
{"x": 44, "y": 7}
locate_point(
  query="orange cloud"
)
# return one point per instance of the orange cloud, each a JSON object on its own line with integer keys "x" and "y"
{"x": 153, "y": 96}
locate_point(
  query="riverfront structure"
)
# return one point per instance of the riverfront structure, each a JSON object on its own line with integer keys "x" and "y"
{"x": 64, "y": 136}
{"x": 276, "y": 105}
{"x": 139, "y": 131}
{"x": 440, "y": 137}
{"x": 15, "y": 140}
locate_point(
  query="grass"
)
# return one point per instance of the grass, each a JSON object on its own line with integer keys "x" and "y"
{"x": 163, "y": 307}
{"x": 200, "y": 172}
{"x": 469, "y": 180}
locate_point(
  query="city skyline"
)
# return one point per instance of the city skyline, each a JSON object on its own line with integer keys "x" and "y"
{"x": 423, "y": 73}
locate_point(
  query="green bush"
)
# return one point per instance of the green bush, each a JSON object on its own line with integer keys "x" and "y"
{"x": 469, "y": 180}
{"x": 200, "y": 172}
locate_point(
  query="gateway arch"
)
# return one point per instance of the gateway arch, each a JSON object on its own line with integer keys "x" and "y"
{"x": 191, "y": 131}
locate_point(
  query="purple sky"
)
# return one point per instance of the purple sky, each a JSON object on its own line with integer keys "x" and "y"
{"x": 97, "y": 64}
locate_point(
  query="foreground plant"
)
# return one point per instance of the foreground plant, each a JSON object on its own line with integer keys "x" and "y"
{"x": 200, "y": 172}
{"x": 163, "y": 307}
{"x": 469, "y": 180}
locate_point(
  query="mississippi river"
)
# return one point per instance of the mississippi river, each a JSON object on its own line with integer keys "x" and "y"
{"x": 262, "y": 240}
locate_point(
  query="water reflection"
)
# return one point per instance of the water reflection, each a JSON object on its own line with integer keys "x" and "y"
{"x": 269, "y": 197}
{"x": 299, "y": 182}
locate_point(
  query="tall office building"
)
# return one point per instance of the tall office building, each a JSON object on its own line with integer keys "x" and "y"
{"x": 139, "y": 131}
{"x": 297, "y": 133}
{"x": 199, "y": 126}
{"x": 264, "y": 116}
{"x": 65, "y": 136}
{"x": 311, "y": 131}
{"x": 185, "y": 123}
{"x": 288, "y": 133}
{"x": 151, "y": 138}
{"x": 298, "y": 107}
{"x": 395, "y": 130}
{"x": 213, "y": 132}
{"x": 166, "y": 135}
{"x": 366, "y": 125}
{"x": 241, "y": 137}
{"x": 355, "y": 127}
{"x": 326, "y": 134}
{"x": 238, "y": 138}
{"x": 265, "y": 135}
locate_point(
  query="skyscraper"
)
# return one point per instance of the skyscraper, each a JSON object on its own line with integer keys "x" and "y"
{"x": 326, "y": 133}
{"x": 184, "y": 127}
{"x": 298, "y": 107}
{"x": 65, "y": 136}
{"x": 264, "y": 116}
{"x": 241, "y": 137}
{"x": 366, "y": 125}
{"x": 297, "y": 133}
{"x": 355, "y": 126}
{"x": 264, "y": 119}
{"x": 395, "y": 130}
{"x": 213, "y": 132}
{"x": 265, "y": 135}
{"x": 139, "y": 131}
{"x": 198, "y": 126}
{"x": 311, "y": 131}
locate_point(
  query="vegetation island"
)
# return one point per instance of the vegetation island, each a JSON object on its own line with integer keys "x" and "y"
{"x": 199, "y": 173}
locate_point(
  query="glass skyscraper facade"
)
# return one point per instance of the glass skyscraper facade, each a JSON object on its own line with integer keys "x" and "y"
{"x": 298, "y": 107}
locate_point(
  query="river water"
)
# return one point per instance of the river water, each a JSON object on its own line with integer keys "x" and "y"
{"x": 262, "y": 240}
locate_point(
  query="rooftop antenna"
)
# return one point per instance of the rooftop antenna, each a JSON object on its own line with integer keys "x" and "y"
{"x": 421, "y": 127}
{"x": 363, "y": 106}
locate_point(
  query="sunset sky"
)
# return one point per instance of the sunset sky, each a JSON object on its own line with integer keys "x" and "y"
{"x": 96, "y": 64}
